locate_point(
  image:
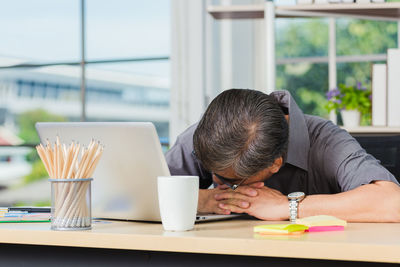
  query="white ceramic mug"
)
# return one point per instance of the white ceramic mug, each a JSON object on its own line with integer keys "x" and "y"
{"x": 178, "y": 197}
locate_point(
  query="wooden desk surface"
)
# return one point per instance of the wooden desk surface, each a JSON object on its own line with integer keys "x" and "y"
{"x": 359, "y": 242}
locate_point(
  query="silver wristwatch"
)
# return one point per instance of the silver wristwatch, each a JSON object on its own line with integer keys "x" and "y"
{"x": 294, "y": 200}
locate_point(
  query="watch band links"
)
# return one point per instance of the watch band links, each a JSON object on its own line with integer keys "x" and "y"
{"x": 293, "y": 206}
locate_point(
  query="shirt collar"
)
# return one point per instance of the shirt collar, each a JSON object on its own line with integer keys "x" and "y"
{"x": 299, "y": 140}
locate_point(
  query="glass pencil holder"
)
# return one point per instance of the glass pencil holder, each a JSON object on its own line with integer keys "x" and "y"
{"x": 71, "y": 207}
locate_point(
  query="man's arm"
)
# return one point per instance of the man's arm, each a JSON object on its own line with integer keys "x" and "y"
{"x": 378, "y": 201}
{"x": 369, "y": 191}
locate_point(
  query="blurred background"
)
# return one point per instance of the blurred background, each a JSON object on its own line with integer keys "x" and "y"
{"x": 123, "y": 47}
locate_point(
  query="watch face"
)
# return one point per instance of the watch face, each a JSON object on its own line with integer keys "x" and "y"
{"x": 296, "y": 195}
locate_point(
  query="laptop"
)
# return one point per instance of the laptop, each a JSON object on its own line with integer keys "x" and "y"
{"x": 124, "y": 183}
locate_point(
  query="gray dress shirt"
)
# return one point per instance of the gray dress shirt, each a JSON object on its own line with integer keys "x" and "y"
{"x": 322, "y": 158}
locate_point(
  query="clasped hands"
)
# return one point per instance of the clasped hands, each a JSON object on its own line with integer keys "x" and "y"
{"x": 254, "y": 199}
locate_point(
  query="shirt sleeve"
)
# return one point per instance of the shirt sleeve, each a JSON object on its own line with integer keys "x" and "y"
{"x": 181, "y": 160}
{"x": 346, "y": 161}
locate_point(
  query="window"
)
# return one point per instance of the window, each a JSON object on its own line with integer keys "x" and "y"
{"x": 304, "y": 44}
{"x": 126, "y": 67}
{"x": 302, "y": 69}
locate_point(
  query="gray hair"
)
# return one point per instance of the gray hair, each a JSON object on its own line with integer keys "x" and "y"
{"x": 241, "y": 129}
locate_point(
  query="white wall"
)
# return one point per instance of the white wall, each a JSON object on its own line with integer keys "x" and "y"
{"x": 209, "y": 56}
{"x": 187, "y": 64}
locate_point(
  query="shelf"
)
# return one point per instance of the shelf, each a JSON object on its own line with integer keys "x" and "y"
{"x": 373, "y": 130}
{"x": 379, "y": 11}
{"x": 237, "y": 12}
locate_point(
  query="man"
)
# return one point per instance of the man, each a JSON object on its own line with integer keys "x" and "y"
{"x": 269, "y": 160}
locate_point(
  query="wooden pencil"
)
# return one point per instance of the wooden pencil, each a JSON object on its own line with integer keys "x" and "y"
{"x": 70, "y": 162}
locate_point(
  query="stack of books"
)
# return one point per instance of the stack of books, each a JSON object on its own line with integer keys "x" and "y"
{"x": 386, "y": 91}
{"x": 24, "y": 214}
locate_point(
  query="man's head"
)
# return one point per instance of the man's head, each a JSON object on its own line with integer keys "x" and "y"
{"x": 242, "y": 134}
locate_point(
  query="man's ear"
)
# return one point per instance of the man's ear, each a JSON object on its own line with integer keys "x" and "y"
{"x": 276, "y": 165}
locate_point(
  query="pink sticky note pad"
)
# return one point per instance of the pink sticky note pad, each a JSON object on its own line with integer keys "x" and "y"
{"x": 325, "y": 228}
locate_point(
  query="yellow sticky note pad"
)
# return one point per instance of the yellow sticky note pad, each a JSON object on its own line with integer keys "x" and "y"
{"x": 280, "y": 229}
{"x": 321, "y": 220}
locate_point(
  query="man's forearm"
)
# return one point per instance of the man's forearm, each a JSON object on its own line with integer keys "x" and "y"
{"x": 375, "y": 202}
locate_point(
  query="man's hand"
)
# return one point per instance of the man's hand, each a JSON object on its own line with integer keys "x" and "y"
{"x": 267, "y": 204}
{"x": 208, "y": 202}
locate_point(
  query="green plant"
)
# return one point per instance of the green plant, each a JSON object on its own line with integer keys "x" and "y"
{"x": 349, "y": 98}
{"x": 27, "y": 120}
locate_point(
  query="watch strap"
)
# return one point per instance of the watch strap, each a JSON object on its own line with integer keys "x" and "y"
{"x": 293, "y": 210}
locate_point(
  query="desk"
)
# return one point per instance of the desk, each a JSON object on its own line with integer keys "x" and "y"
{"x": 379, "y": 243}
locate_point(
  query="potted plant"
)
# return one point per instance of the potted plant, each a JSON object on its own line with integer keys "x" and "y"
{"x": 351, "y": 101}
